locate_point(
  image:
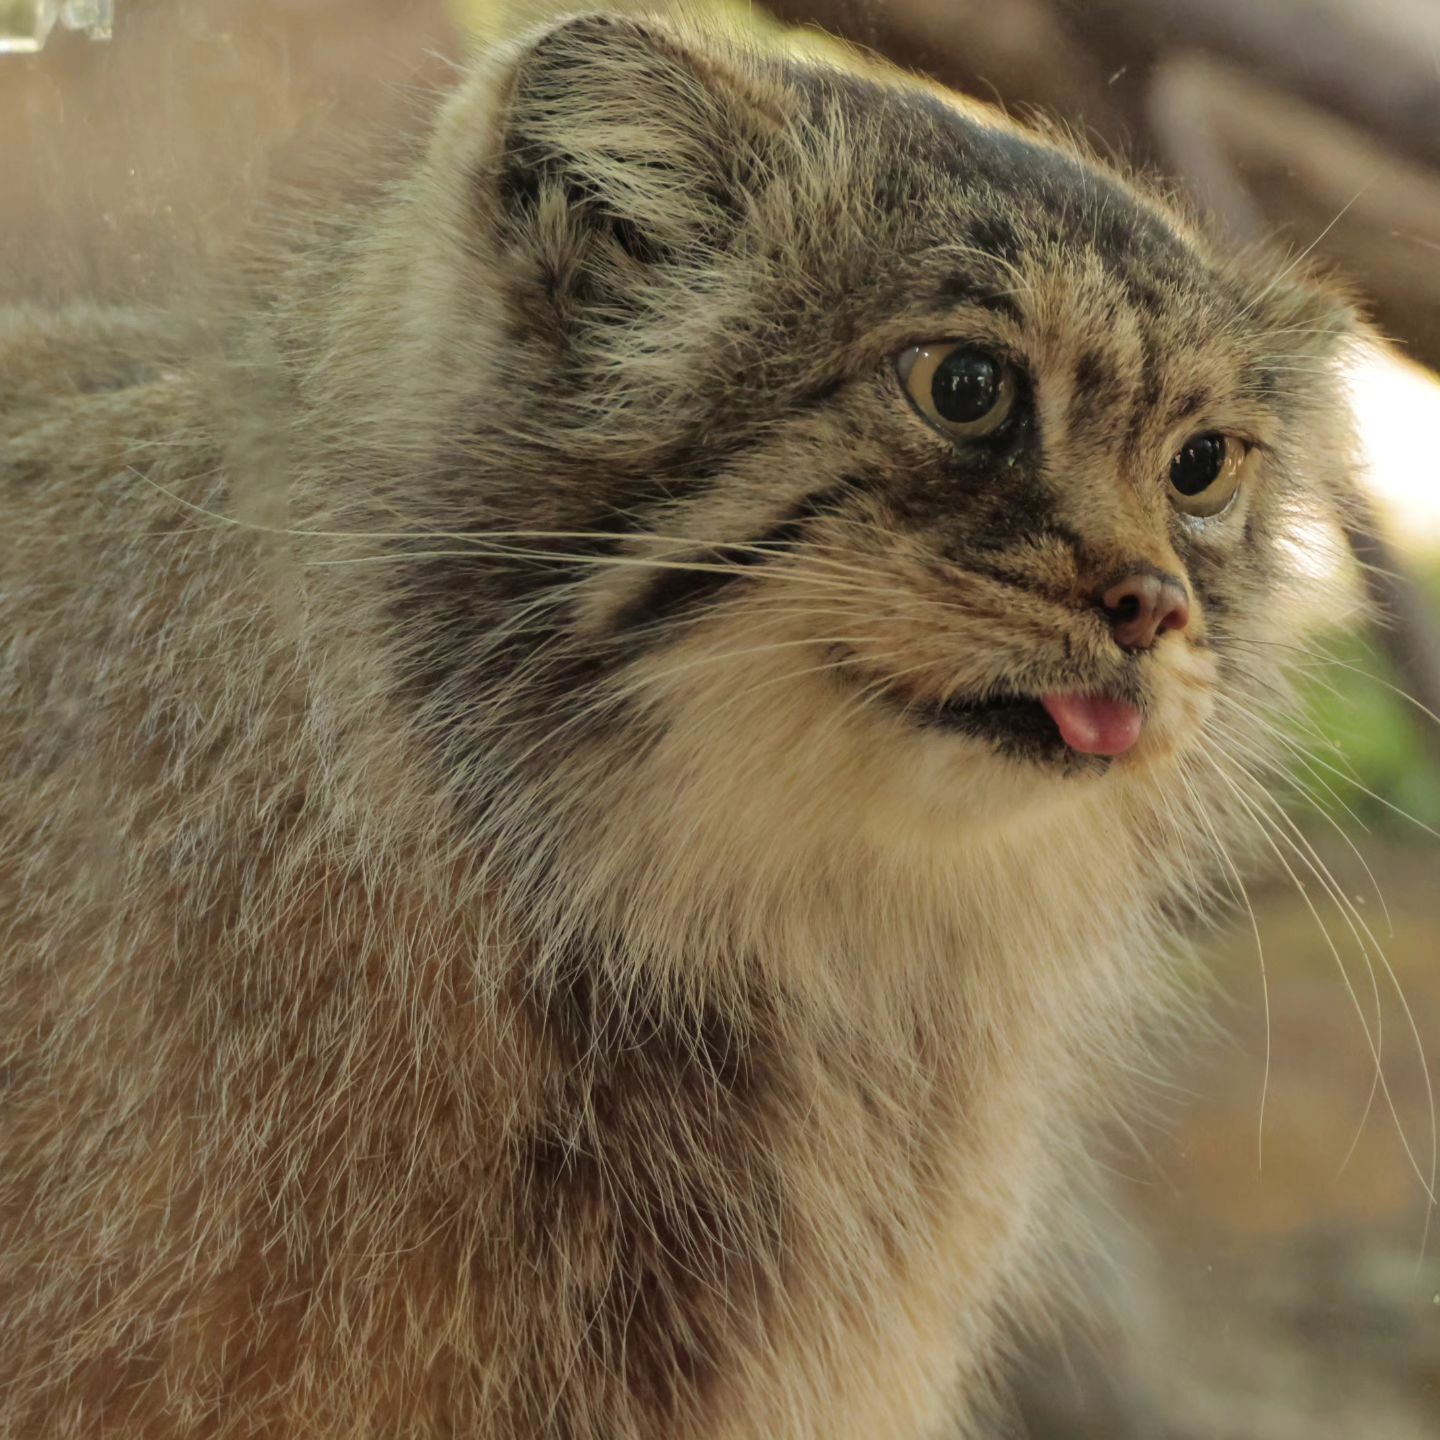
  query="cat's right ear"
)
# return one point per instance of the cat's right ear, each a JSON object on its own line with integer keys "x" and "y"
{"x": 623, "y": 147}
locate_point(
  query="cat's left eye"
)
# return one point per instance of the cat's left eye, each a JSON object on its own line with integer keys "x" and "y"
{"x": 1205, "y": 473}
{"x": 963, "y": 390}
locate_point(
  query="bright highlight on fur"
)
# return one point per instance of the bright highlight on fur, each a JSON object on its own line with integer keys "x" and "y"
{"x": 583, "y": 841}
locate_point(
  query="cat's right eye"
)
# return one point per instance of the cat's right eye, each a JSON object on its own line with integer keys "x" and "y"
{"x": 963, "y": 390}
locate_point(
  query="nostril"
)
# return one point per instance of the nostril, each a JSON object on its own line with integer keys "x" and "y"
{"x": 1177, "y": 614}
{"x": 1143, "y": 605}
{"x": 1127, "y": 607}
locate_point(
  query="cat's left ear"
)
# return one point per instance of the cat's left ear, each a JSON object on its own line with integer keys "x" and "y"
{"x": 624, "y": 145}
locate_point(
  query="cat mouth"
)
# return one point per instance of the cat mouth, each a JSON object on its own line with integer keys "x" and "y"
{"x": 1077, "y": 730}
{"x": 1017, "y": 725}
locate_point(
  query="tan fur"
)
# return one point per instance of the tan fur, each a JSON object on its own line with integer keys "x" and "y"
{"x": 294, "y": 1142}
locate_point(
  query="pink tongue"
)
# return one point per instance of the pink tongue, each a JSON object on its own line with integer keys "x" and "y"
{"x": 1094, "y": 725}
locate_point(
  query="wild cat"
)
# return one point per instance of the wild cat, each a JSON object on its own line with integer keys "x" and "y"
{"x": 593, "y": 798}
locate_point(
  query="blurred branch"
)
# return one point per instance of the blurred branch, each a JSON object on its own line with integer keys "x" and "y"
{"x": 1372, "y": 62}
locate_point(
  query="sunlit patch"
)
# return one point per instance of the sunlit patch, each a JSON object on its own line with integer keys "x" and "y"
{"x": 1396, "y": 402}
{"x": 1318, "y": 552}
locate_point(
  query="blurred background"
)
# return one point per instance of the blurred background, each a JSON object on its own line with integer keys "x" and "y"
{"x": 1275, "y": 1271}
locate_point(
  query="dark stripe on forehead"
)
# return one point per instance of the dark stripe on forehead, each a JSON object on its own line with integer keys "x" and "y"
{"x": 1149, "y": 392}
{"x": 1095, "y": 372}
{"x": 1096, "y": 388}
{"x": 676, "y": 589}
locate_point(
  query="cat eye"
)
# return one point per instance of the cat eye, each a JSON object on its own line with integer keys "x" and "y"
{"x": 1205, "y": 473}
{"x": 962, "y": 390}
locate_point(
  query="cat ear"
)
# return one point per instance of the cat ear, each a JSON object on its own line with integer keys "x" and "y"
{"x": 623, "y": 148}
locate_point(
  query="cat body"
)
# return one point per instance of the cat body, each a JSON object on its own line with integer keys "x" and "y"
{"x": 539, "y": 897}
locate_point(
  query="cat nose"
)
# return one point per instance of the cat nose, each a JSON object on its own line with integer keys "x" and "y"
{"x": 1143, "y": 605}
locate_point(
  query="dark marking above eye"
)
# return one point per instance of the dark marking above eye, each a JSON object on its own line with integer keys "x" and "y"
{"x": 988, "y": 292}
{"x": 1000, "y": 303}
{"x": 1188, "y": 405}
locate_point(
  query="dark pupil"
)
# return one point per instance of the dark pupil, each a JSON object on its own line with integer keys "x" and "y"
{"x": 966, "y": 386}
{"x": 1197, "y": 465}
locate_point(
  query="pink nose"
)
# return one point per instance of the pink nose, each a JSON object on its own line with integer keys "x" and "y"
{"x": 1143, "y": 605}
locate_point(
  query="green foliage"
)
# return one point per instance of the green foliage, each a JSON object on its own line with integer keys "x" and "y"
{"x": 1388, "y": 744}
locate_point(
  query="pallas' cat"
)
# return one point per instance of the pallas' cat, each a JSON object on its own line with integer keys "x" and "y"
{"x": 597, "y": 787}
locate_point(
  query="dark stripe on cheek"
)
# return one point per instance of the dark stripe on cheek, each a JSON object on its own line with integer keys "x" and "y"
{"x": 676, "y": 590}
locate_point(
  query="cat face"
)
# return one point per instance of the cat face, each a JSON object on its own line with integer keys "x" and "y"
{"x": 875, "y": 443}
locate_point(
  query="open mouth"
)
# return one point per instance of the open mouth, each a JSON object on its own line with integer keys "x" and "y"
{"x": 1070, "y": 728}
{"x": 1016, "y": 724}
{"x": 1077, "y": 730}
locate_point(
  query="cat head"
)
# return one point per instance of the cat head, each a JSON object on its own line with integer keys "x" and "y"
{"x": 838, "y": 457}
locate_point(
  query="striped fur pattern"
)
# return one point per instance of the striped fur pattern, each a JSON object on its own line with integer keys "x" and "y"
{"x": 507, "y": 932}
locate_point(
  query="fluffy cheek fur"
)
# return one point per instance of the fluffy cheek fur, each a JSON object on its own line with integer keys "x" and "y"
{"x": 806, "y": 682}
{"x": 770, "y": 762}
